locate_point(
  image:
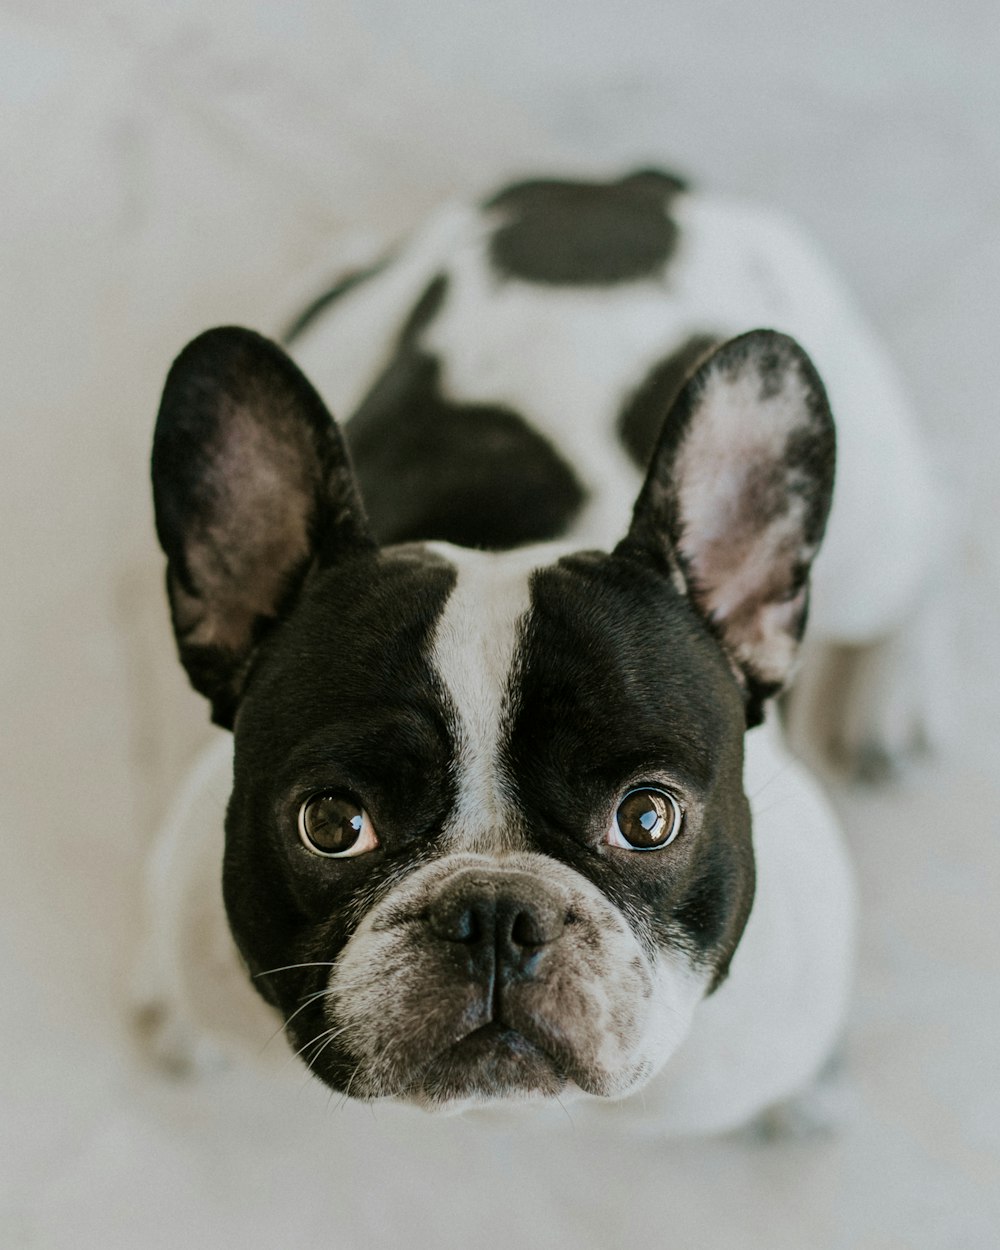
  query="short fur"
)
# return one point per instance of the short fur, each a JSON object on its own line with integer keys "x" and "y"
{"x": 496, "y": 653}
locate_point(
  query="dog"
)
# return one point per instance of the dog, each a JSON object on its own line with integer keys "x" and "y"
{"x": 500, "y": 656}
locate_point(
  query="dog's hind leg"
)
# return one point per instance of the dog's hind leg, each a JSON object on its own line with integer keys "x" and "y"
{"x": 875, "y": 708}
{"x": 873, "y": 685}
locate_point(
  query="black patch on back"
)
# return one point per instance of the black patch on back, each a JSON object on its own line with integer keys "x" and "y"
{"x": 661, "y": 181}
{"x": 642, "y": 417}
{"x": 343, "y": 286}
{"x": 585, "y": 233}
{"x": 619, "y": 681}
{"x": 430, "y": 469}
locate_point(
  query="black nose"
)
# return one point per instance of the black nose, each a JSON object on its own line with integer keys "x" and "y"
{"x": 508, "y": 917}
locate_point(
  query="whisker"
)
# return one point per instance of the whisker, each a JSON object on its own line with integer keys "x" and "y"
{"x": 357, "y": 1069}
{"x": 329, "y": 1034}
{"x": 325, "y": 1037}
{"x": 345, "y": 1095}
{"x": 310, "y": 998}
{"x": 332, "y": 1038}
{"x": 564, "y": 1109}
{"x": 316, "y": 963}
{"x": 778, "y": 772}
{"x": 760, "y": 812}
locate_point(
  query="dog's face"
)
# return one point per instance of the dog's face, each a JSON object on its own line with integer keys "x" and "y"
{"x": 440, "y": 766}
{"x": 488, "y": 836}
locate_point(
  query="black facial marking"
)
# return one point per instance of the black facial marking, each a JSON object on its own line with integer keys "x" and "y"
{"x": 343, "y": 286}
{"x": 341, "y": 697}
{"x": 430, "y": 469}
{"x": 619, "y": 683}
{"x": 705, "y": 908}
{"x": 642, "y": 418}
{"x": 585, "y": 233}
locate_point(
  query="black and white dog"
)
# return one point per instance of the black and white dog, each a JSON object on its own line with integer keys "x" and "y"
{"x": 491, "y": 651}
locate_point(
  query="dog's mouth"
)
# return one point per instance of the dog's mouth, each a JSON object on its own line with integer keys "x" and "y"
{"x": 494, "y": 1061}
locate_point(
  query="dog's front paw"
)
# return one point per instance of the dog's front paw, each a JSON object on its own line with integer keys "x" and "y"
{"x": 172, "y": 1045}
{"x": 827, "y": 1106}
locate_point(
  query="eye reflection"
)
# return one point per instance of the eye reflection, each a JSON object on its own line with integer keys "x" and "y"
{"x": 647, "y": 819}
{"x": 336, "y": 826}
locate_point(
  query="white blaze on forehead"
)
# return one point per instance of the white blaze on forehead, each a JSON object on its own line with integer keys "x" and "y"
{"x": 474, "y": 651}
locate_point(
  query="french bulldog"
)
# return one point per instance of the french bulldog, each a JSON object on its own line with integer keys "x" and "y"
{"x": 511, "y": 816}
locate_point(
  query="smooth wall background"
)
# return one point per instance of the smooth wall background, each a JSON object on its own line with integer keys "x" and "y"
{"x": 167, "y": 167}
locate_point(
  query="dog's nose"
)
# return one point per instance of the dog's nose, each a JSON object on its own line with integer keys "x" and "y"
{"x": 504, "y": 915}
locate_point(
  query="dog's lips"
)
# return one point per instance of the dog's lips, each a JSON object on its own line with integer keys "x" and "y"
{"x": 493, "y": 1061}
{"x": 492, "y": 1038}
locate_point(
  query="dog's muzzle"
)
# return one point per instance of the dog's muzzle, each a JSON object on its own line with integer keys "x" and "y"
{"x": 479, "y": 979}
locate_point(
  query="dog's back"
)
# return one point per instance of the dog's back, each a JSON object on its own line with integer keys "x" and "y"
{"x": 494, "y": 395}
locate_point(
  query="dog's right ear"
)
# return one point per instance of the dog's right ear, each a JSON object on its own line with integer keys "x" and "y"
{"x": 736, "y": 500}
{"x": 252, "y": 486}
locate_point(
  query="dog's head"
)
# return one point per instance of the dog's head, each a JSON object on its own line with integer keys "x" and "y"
{"x": 488, "y": 836}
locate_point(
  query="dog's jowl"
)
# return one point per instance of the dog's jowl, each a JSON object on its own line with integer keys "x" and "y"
{"x": 489, "y": 683}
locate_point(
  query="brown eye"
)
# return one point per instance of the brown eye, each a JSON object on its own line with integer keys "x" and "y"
{"x": 646, "y": 820}
{"x": 336, "y": 826}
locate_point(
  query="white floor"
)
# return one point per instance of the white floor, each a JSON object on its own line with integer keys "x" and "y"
{"x": 167, "y": 167}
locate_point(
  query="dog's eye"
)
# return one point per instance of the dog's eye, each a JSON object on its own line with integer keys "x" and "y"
{"x": 646, "y": 820}
{"x": 336, "y": 826}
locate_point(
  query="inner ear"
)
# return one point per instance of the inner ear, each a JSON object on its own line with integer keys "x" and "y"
{"x": 251, "y": 485}
{"x": 737, "y": 496}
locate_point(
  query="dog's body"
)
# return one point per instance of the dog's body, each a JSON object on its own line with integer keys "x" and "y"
{"x": 452, "y": 742}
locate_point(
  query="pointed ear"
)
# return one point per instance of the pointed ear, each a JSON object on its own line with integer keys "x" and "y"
{"x": 736, "y": 500}
{"x": 251, "y": 486}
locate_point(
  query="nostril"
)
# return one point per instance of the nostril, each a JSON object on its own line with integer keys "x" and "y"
{"x": 536, "y": 925}
{"x": 513, "y": 914}
{"x": 525, "y": 930}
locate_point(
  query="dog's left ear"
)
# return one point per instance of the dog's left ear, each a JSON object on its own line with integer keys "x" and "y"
{"x": 252, "y": 487}
{"x": 737, "y": 497}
